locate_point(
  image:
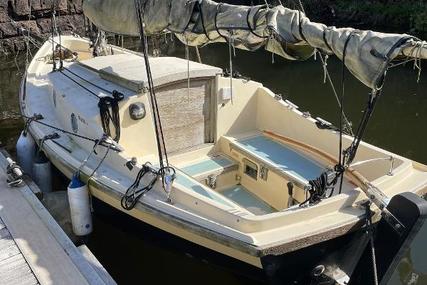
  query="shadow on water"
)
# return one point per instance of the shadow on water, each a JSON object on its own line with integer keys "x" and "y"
{"x": 131, "y": 251}
{"x": 11, "y": 71}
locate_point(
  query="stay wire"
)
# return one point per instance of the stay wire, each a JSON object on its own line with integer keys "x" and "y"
{"x": 37, "y": 118}
{"x": 101, "y": 161}
{"x": 53, "y": 34}
{"x": 157, "y": 122}
{"x": 348, "y": 125}
{"x": 87, "y": 81}
{"x": 340, "y": 166}
{"x": 230, "y": 54}
{"x": 104, "y": 104}
{"x": 81, "y": 85}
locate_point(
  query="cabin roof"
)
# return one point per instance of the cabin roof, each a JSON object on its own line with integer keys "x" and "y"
{"x": 128, "y": 70}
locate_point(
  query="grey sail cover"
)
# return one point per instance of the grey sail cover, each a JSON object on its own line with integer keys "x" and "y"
{"x": 288, "y": 33}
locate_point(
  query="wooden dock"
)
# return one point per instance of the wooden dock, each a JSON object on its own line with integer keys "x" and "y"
{"x": 33, "y": 247}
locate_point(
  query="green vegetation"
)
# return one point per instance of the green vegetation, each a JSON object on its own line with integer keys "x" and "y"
{"x": 397, "y": 15}
{"x": 402, "y": 16}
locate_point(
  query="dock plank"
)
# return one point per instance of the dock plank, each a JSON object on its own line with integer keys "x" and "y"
{"x": 15, "y": 270}
{"x": 13, "y": 267}
{"x": 96, "y": 265}
{"x": 39, "y": 248}
{"x": 2, "y": 225}
{"x": 33, "y": 247}
{"x": 8, "y": 247}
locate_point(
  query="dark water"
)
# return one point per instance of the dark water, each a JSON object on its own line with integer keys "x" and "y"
{"x": 139, "y": 254}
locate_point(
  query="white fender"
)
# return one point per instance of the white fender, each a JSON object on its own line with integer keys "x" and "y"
{"x": 78, "y": 197}
{"x": 42, "y": 174}
{"x": 25, "y": 152}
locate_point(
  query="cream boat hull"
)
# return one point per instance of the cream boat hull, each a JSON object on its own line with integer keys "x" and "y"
{"x": 208, "y": 218}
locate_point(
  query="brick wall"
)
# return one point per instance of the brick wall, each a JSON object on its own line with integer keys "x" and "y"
{"x": 35, "y": 16}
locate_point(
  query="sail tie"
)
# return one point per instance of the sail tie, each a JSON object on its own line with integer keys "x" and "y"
{"x": 253, "y": 29}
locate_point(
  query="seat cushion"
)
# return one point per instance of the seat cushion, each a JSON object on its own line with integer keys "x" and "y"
{"x": 282, "y": 157}
{"x": 210, "y": 164}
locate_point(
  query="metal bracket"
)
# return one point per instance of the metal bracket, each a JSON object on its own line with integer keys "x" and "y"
{"x": 211, "y": 181}
{"x": 381, "y": 201}
{"x": 291, "y": 105}
{"x": 263, "y": 172}
{"x": 393, "y": 221}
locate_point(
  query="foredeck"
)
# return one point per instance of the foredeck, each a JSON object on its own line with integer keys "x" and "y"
{"x": 128, "y": 70}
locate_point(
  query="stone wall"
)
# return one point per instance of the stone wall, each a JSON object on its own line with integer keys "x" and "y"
{"x": 402, "y": 16}
{"x": 35, "y": 16}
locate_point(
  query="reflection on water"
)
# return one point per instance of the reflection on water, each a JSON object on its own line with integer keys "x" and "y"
{"x": 407, "y": 272}
{"x": 11, "y": 70}
{"x": 397, "y": 125}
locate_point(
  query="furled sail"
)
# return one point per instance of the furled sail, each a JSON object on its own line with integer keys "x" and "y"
{"x": 288, "y": 33}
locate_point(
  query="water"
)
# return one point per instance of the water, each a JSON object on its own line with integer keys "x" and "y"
{"x": 131, "y": 251}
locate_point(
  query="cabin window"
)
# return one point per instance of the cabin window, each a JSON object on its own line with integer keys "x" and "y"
{"x": 250, "y": 168}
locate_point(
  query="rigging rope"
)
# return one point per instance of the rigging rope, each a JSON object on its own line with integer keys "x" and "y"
{"x": 347, "y": 124}
{"x": 350, "y": 152}
{"x": 230, "y": 54}
{"x": 317, "y": 190}
{"x": 103, "y": 157}
{"x": 157, "y": 122}
{"x": 37, "y": 117}
{"x": 370, "y": 233}
{"x": 341, "y": 158}
{"x": 166, "y": 172}
{"x": 113, "y": 116}
{"x": 133, "y": 194}
{"x": 53, "y": 29}
{"x": 187, "y": 57}
{"x": 104, "y": 104}
{"x": 89, "y": 82}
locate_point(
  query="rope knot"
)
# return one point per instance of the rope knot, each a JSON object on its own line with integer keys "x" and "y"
{"x": 339, "y": 168}
{"x": 35, "y": 117}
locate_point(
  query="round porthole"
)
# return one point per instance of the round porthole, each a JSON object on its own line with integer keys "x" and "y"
{"x": 137, "y": 111}
{"x": 74, "y": 123}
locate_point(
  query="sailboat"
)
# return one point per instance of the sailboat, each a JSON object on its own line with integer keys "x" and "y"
{"x": 218, "y": 160}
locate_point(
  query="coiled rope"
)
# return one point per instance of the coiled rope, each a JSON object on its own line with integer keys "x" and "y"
{"x": 166, "y": 172}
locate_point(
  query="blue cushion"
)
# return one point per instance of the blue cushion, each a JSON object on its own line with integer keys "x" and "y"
{"x": 285, "y": 158}
{"x": 198, "y": 188}
{"x": 247, "y": 200}
{"x": 208, "y": 165}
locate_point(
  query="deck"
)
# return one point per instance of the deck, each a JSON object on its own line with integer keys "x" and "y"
{"x": 14, "y": 269}
{"x": 33, "y": 247}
